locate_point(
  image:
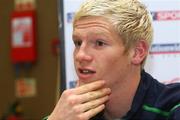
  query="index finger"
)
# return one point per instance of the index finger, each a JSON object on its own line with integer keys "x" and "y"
{"x": 90, "y": 87}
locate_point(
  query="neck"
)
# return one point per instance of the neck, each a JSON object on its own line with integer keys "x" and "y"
{"x": 122, "y": 97}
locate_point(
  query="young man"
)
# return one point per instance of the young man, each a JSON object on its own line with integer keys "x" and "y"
{"x": 112, "y": 39}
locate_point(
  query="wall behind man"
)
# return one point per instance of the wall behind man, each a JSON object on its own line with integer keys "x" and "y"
{"x": 44, "y": 70}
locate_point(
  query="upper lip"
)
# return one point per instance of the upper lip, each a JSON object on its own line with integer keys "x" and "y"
{"x": 89, "y": 69}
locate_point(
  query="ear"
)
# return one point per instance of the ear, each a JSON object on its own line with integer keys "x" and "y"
{"x": 140, "y": 52}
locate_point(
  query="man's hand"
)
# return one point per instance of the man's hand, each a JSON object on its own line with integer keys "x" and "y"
{"x": 81, "y": 103}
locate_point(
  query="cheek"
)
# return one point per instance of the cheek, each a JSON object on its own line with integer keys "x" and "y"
{"x": 115, "y": 67}
{"x": 107, "y": 63}
{"x": 74, "y": 59}
{"x": 120, "y": 64}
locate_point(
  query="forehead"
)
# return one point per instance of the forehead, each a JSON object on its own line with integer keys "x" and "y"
{"x": 96, "y": 25}
{"x": 92, "y": 20}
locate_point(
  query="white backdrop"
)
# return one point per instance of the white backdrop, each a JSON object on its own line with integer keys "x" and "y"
{"x": 164, "y": 59}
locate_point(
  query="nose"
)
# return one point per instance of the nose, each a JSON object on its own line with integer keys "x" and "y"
{"x": 82, "y": 54}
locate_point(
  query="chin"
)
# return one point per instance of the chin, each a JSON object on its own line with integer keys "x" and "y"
{"x": 85, "y": 81}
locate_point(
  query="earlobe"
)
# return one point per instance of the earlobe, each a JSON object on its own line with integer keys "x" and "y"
{"x": 140, "y": 52}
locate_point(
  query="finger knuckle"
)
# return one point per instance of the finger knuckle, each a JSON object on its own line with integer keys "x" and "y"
{"x": 66, "y": 93}
{"x": 72, "y": 100}
{"x": 93, "y": 105}
{"x": 91, "y": 95}
{"x": 76, "y": 109}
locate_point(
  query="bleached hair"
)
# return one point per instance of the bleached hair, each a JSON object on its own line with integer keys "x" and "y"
{"x": 130, "y": 18}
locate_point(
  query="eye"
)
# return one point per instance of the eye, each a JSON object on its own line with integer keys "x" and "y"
{"x": 77, "y": 43}
{"x": 100, "y": 43}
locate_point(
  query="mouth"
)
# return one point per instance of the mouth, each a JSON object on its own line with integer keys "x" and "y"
{"x": 85, "y": 73}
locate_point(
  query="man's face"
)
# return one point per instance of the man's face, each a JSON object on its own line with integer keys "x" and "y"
{"x": 99, "y": 52}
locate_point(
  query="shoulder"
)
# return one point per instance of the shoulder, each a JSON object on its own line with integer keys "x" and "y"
{"x": 175, "y": 113}
{"x": 169, "y": 100}
{"x": 161, "y": 100}
{"x": 171, "y": 93}
{"x": 165, "y": 102}
{"x": 159, "y": 94}
{"x": 169, "y": 96}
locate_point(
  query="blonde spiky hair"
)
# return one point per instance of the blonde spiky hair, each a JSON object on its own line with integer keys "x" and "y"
{"x": 130, "y": 18}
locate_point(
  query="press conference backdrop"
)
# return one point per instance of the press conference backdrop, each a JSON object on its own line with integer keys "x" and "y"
{"x": 163, "y": 61}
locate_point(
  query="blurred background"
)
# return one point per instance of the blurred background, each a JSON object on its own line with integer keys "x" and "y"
{"x": 28, "y": 86}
